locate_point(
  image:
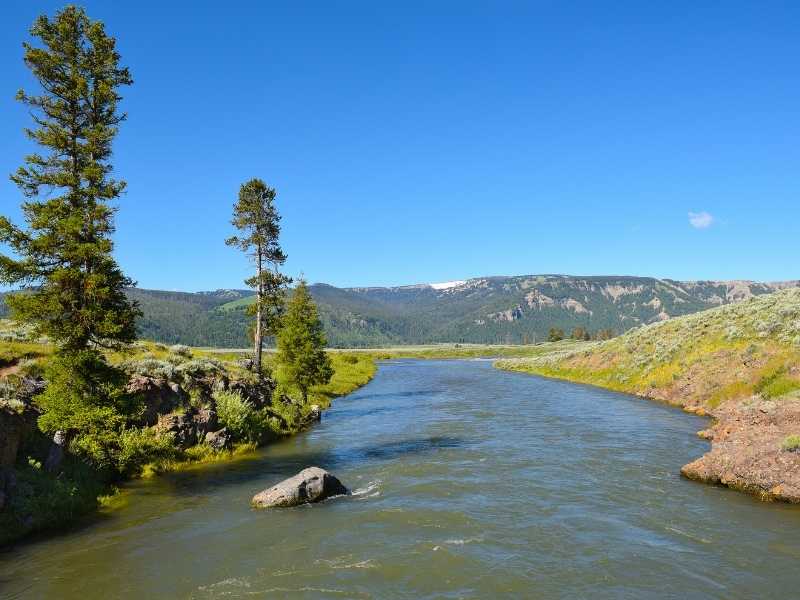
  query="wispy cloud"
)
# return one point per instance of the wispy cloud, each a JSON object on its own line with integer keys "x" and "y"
{"x": 700, "y": 220}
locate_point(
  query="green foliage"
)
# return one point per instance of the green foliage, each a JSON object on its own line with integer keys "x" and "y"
{"x": 84, "y": 394}
{"x": 776, "y": 384}
{"x": 42, "y": 501}
{"x": 235, "y": 413}
{"x": 138, "y": 447}
{"x": 350, "y": 371}
{"x": 791, "y": 443}
{"x": 125, "y": 451}
{"x": 77, "y": 296}
{"x": 556, "y": 335}
{"x": 301, "y": 357}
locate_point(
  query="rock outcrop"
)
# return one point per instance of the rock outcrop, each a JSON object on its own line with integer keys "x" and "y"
{"x": 159, "y": 396}
{"x": 310, "y": 485}
{"x": 747, "y": 453}
{"x": 190, "y": 426}
{"x": 219, "y": 440}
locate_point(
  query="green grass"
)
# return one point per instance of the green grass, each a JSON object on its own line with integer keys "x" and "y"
{"x": 719, "y": 355}
{"x": 791, "y": 443}
{"x": 350, "y": 372}
{"x": 777, "y": 385}
{"x": 236, "y": 304}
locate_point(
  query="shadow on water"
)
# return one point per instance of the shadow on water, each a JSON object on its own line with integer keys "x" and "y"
{"x": 349, "y": 413}
{"x": 82, "y": 523}
{"x": 214, "y": 476}
{"x": 391, "y": 450}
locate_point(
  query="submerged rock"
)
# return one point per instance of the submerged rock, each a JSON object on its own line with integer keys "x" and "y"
{"x": 309, "y": 485}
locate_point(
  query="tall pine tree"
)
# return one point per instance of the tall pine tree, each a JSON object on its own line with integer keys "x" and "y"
{"x": 74, "y": 287}
{"x": 257, "y": 218}
{"x": 301, "y": 356}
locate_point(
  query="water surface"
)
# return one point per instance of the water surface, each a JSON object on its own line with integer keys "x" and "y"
{"x": 469, "y": 483}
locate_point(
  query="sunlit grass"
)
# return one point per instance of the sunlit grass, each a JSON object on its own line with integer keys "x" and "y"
{"x": 715, "y": 356}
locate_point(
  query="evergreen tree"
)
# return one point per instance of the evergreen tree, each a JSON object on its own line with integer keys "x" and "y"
{"x": 255, "y": 215}
{"x": 75, "y": 290}
{"x": 555, "y": 334}
{"x": 301, "y": 344}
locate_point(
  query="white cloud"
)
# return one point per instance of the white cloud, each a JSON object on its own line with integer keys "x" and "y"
{"x": 700, "y": 220}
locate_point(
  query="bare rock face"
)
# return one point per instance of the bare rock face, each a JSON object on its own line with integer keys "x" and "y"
{"x": 310, "y": 485}
{"x": 747, "y": 453}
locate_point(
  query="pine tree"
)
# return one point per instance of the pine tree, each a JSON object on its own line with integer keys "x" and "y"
{"x": 75, "y": 291}
{"x": 256, "y": 216}
{"x": 301, "y": 344}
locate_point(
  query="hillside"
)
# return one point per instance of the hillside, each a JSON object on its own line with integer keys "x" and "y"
{"x": 508, "y": 310}
{"x": 738, "y": 363}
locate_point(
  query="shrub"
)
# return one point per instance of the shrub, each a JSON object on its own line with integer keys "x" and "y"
{"x": 776, "y": 384}
{"x": 791, "y": 443}
{"x": 181, "y": 350}
{"x": 151, "y": 367}
{"x": 199, "y": 367}
{"x": 137, "y": 447}
{"x": 124, "y": 451}
{"x": 235, "y": 413}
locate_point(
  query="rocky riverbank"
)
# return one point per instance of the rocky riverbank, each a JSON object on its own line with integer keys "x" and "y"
{"x": 749, "y": 449}
{"x": 194, "y": 408}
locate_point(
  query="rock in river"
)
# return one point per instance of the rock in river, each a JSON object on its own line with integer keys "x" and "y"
{"x": 309, "y": 485}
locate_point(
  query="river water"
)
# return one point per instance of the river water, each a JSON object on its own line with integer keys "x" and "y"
{"x": 468, "y": 483}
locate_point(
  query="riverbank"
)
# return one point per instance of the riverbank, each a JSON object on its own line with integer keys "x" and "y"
{"x": 467, "y": 481}
{"x": 179, "y": 388}
{"x": 739, "y": 364}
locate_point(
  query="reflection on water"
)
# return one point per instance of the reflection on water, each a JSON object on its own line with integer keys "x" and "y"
{"x": 467, "y": 483}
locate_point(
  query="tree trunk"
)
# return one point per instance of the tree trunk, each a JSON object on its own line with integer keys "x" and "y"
{"x": 259, "y": 307}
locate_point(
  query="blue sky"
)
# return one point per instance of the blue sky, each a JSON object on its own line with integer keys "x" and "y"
{"x": 430, "y": 141}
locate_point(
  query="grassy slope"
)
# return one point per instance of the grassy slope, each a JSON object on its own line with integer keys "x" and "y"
{"x": 698, "y": 361}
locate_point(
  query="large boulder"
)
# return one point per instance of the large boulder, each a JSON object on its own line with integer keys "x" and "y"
{"x": 258, "y": 392}
{"x": 309, "y": 485}
{"x": 182, "y": 426}
{"x": 189, "y": 426}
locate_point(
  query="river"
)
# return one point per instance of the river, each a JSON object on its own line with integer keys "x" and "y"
{"x": 468, "y": 483}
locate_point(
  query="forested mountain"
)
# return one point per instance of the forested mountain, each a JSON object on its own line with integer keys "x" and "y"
{"x": 483, "y": 310}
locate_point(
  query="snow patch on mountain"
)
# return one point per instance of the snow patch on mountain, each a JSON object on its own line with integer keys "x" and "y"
{"x": 446, "y": 285}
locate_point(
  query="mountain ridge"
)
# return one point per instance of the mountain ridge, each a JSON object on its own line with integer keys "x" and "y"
{"x": 491, "y": 309}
